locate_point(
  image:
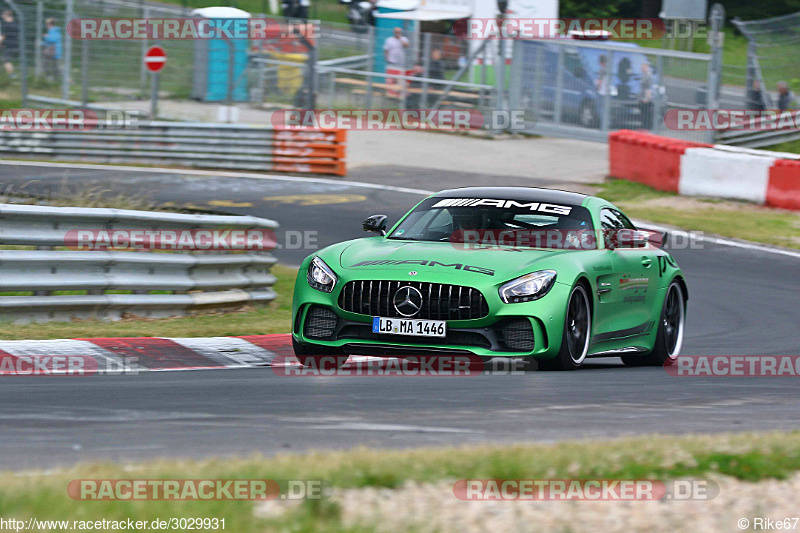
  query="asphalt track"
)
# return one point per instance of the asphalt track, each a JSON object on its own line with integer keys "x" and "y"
{"x": 742, "y": 302}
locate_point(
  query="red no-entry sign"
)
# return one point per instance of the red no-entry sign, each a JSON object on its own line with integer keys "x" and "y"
{"x": 155, "y": 58}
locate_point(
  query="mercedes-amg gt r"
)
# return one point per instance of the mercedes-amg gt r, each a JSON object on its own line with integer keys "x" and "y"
{"x": 495, "y": 272}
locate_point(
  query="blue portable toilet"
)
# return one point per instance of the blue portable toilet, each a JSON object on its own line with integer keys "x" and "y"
{"x": 212, "y": 58}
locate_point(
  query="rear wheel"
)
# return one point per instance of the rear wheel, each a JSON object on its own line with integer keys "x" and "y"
{"x": 577, "y": 332}
{"x": 669, "y": 338}
{"x": 321, "y": 357}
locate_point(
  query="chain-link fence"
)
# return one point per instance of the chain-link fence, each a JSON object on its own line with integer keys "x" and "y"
{"x": 97, "y": 70}
{"x": 563, "y": 86}
{"x": 109, "y": 70}
{"x": 771, "y": 58}
{"x": 586, "y": 89}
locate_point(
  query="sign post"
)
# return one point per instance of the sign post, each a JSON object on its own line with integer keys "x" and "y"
{"x": 154, "y": 60}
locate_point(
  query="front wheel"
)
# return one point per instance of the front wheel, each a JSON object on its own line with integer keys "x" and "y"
{"x": 319, "y": 357}
{"x": 577, "y": 333}
{"x": 669, "y": 338}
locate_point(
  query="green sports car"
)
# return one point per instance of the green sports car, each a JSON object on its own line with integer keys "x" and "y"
{"x": 495, "y": 272}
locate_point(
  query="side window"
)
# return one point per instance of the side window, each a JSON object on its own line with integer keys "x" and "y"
{"x": 612, "y": 220}
{"x": 573, "y": 64}
{"x": 625, "y": 220}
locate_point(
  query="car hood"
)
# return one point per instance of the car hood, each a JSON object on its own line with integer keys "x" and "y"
{"x": 499, "y": 262}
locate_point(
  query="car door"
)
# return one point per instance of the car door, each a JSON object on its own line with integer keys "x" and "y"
{"x": 627, "y": 290}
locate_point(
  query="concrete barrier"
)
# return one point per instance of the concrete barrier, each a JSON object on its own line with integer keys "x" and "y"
{"x": 699, "y": 169}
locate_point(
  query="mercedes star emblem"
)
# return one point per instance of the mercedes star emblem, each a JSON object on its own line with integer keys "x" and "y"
{"x": 408, "y": 301}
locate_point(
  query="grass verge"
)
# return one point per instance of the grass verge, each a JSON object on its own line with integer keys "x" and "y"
{"x": 749, "y": 457}
{"x": 739, "y": 220}
{"x": 272, "y": 318}
{"x": 792, "y": 147}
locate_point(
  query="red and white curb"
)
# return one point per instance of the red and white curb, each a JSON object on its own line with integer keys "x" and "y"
{"x": 146, "y": 354}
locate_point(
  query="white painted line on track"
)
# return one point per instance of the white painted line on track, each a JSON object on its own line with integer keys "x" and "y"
{"x": 188, "y": 172}
{"x": 718, "y": 240}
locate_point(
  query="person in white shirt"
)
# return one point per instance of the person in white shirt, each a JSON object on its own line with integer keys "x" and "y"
{"x": 394, "y": 49}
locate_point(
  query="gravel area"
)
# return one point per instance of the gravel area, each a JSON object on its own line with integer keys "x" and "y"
{"x": 434, "y": 508}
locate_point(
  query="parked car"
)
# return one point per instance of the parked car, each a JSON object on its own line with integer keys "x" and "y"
{"x": 584, "y": 85}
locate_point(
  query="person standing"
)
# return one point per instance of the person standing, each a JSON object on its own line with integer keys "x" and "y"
{"x": 785, "y": 96}
{"x": 755, "y": 100}
{"x": 601, "y": 83}
{"x": 394, "y": 50}
{"x": 52, "y": 50}
{"x": 646, "y": 97}
{"x": 10, "y": 41}
{"x": 436, "y": 67}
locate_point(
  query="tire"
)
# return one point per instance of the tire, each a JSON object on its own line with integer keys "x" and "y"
{"x": 322, "y": 357}
{"x": 587, "y": 116}
{"x": 577, "y": 333}
{"x": 671, "y": 326}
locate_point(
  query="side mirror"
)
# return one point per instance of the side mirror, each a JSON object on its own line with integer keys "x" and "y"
{"x": 657, "y": 239}
{"x": 629, "y": 238}
{"x": 375, "y": 224}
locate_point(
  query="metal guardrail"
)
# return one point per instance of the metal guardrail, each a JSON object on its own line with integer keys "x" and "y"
{"x": 757, "y": 139}
{"x": 353, "y": 62}
{"x": 111, "y": 284}
{"x": 229, "y": 146}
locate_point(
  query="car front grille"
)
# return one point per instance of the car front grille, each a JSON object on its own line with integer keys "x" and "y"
{"x": 439, "y": 301}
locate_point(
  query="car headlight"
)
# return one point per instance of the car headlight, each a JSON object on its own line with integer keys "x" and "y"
{"x": 528, "y": 287}
{"x": 320, "y": 276}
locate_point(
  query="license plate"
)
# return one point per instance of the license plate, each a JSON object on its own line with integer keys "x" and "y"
{"x": 406, "y": 326}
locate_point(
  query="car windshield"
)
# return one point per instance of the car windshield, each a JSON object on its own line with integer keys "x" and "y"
{"x": 495, "y": 221}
